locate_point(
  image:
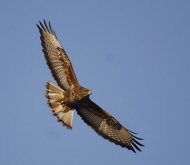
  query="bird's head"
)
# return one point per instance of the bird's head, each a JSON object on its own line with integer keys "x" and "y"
{"x": 85, "y": 92}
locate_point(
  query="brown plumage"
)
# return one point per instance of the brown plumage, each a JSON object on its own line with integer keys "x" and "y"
{"x": 71, "y": 96}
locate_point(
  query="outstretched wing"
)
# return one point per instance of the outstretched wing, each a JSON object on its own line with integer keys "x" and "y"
{"x": 56, "y": 57}
{"x": 107, "y": 126}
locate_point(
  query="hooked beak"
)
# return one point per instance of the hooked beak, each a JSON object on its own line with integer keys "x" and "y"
{"x": 89, "y": 92}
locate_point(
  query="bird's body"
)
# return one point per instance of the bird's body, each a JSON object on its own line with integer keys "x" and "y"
{"x": 70, "y": 96}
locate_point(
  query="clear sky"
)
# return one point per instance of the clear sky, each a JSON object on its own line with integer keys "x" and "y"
{"x": 135, "y": 57}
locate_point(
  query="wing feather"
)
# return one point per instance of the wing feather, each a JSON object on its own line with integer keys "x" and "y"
{"x": 56, "y": 57}
{"x": 107, "y": 126}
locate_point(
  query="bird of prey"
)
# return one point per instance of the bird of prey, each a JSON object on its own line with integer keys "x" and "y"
{"x": 70, "y": 96}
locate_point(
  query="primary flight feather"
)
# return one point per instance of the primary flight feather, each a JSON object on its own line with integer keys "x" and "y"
{"x": 70, "y": 96}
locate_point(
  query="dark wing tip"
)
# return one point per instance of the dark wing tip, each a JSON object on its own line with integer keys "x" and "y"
{"x": 132, "y": 132}
{"x": 138, "y": 143}
{"x": 135, "y": 144}
{"x": 131, "y": 148}
{"x": 136, "y": 137}
{"x": 42, "y": 26}
{"x": 39, "y": 28}
{"x": 50, "y": 27}
{"x": 45, "y": 27}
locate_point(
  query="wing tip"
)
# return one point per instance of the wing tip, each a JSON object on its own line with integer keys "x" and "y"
{"x": 135, "y": 144}
{"x": 43, "y": 26}
{"x": 39, "y": 28}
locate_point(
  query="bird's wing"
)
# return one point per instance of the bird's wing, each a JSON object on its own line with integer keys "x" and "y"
{"x": 56, "y": 57}
{"x": 107, "y": 126}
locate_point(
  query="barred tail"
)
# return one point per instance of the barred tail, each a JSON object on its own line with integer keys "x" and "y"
{"x": 56, "y": 97}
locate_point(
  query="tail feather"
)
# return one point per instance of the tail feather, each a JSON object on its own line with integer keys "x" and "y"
{"x": 56, "y": 97}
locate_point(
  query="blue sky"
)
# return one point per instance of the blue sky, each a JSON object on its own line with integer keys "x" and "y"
{"x": 133, "y": 55}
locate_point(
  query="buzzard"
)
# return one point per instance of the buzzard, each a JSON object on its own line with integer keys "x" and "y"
{"x": 70, "y": 96}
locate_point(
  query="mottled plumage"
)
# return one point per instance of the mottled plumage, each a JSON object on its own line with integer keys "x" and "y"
{"x": 71, "y": 96}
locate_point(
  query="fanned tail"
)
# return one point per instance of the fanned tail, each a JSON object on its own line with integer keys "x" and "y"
{"x": 56, "y": 97}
